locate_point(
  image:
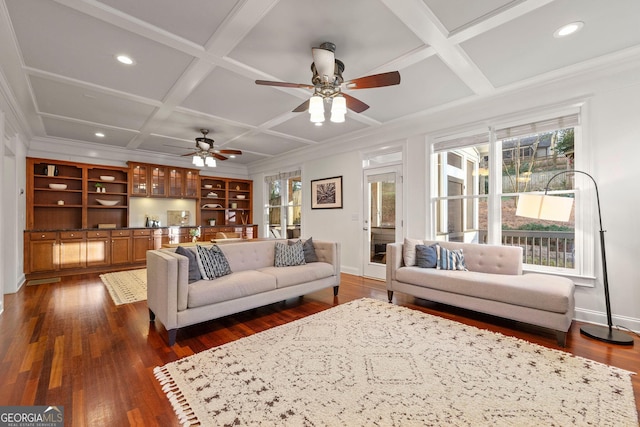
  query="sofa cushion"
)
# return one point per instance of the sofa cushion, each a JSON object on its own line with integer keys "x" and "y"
{"x": 232, "y": 286}
{"x": 450, "y": 259}
{"x": 212, "y": 262}
{"x": 194, "y": 268}
{"x": 289, "y": 255}
{"x": 295, "y": 275}
{"x": 426, "y": 256}
{"x": 543, "y": 292}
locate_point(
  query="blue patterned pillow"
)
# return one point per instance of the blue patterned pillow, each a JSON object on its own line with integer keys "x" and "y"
{"x": 288, "y": 255}
{"x": 212, "y": 262}
{"x": 451, "y": 260}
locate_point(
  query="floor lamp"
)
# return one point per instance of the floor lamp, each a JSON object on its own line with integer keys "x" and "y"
{"x": 557, "y": 208}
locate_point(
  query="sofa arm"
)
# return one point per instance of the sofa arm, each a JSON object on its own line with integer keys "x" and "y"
{"x": 162, "y": 287}
{"x": 328, "y": 252}
{"x": 394, "y": 262}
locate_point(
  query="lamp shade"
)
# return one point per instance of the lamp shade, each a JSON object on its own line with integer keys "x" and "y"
{"x": 538, "y": 206}
{"x": 198, "y": 161}
{"x": 210, "y": 161}
{"x": 316, "y": 105}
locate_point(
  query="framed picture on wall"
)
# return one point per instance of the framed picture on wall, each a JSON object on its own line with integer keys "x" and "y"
{"x": 326, "y": 193}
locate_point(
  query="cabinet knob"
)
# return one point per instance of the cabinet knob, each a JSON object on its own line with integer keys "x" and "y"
{"x": 42, "y": 236}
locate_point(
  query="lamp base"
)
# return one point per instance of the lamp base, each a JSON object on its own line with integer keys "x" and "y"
{"x": 606, "y": 334}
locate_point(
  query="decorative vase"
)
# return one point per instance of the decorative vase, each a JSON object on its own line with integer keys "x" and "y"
{"x": 194, "y": 239}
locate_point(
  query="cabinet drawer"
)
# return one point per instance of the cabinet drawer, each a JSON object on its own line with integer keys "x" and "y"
{"x": 69, "y": 235}
{"x": 97, "y": 234}
{"x": 120, "y": 233}
{"x": 142, "y": 232}
{"x": 45, "y": 235}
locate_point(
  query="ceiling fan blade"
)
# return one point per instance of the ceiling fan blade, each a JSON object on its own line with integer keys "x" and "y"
{"x": 219, "y": 156}
{"x": 324, "y": 61}
{"x": 355, "y": 104}
{"x": 189, "y": 154}
{"x": 302, "y": 107}
{"x": 236, "y": 152}
{"x": 283, "y": 84}
{"x": 375, "y": 80}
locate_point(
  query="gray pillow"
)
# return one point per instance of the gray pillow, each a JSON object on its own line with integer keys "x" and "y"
{"x": 427, "y": 256}
{"x": 308, "y": 249}
{"x": 194, "y": 270}
{"x": 289, "y": 254}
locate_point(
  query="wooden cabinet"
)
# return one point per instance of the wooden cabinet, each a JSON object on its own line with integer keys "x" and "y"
{"x": 43, "y": 251}
{"x": 98, "y": 248}
{"x": 229, "y": 202}
{"x": 143, "y": 240}
{"x": 149, "y": 180}
{"x": 72, "y": 249}
{"x": 121, "y": 247}
{"x": 62, "y": 195}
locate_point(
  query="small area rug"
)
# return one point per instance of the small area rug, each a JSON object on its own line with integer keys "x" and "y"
{"x": 368, "y": 362}
{"x": 126, "y": 286}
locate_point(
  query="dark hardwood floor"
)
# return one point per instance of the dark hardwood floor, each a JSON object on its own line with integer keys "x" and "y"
{"x": 67, "y": 344}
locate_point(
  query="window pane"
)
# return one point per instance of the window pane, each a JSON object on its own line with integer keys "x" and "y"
{"x": 546, "y": 243}
{"x": 529, "y": 162}
{"x": 455, "y": 226}
{"x": 275, "y": 198}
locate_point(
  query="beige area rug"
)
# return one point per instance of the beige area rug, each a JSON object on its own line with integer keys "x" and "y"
{"x": 369, "y": 362}
{"x": 126, "y": 286}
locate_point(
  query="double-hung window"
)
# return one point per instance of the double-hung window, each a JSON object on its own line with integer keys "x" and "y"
{"x": 477, "y": 179}
{"x": 283, "y": 209}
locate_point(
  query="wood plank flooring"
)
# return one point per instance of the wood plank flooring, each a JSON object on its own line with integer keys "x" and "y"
{"x": 67, "y": 344}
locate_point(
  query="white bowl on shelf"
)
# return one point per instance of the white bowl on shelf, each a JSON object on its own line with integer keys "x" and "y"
{"x": 107, "y": 178}
{"x": 240, "y": 196}
{"x": 107, "y": 202}
{"x": 208, "y": 186}
{"x": 58, "y": 186}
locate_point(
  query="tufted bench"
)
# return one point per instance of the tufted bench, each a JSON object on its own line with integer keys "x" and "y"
{"x": 494, "y": 284}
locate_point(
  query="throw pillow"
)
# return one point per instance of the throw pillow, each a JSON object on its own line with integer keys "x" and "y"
{"x": 212, "y": 262}
{"x": 409, "y": 251}
{"x": 289, "y": 255}
{"x": 308, "y": 249}
{"x": 451, "y": 260}
{"x": 194, "y": 269}
{"x": 426, "y": 256}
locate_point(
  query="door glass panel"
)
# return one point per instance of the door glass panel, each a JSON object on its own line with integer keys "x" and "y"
{"x": 382, "y": 196}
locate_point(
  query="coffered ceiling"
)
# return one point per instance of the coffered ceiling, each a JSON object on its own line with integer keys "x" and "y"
{"x": 195, "y": 62}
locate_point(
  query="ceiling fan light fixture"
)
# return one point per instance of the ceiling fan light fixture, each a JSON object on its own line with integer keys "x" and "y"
{"x": 210, "y": 161}
{"x": 198, "y": 161}
{"x": 316, "y": 105}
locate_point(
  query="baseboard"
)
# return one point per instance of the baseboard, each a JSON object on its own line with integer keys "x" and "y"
{"x": 599, "y": 318}
{"x": 351, "y": 270}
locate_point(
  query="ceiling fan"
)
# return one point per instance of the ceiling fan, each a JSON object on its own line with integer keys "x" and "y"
{"x": 328, "y": 84}
{"x": 205, "y": 153}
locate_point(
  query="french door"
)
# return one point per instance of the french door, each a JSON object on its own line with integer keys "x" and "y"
{"x": 382, "y": 217}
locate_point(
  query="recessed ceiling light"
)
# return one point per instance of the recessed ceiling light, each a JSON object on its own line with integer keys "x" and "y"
{"x": 568, "y": 29}
{"x": 125, "y": 59}
{"x": 99, "y": 134}
{"x": 232, "y": 156}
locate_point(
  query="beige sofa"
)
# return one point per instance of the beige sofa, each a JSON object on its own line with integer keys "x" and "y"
{"x": 494, "y": 284}
{"x": 254, "y": 282}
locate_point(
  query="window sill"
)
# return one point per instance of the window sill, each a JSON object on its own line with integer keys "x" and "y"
{"x": 578, "y": 279}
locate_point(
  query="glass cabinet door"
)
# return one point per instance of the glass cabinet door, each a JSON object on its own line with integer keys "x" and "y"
{"x": 191, "y": 184}
{"x": 158, "y": 181}
{"x": 176, "y": 179}
{"x": 139, "y": 180}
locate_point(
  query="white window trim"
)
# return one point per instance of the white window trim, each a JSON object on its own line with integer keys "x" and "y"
{"x": 586, "y": 236}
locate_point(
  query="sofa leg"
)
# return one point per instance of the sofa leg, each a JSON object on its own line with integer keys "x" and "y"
{"x": 562, "y": 338}
{"x": 152, "y": 316}
{"x": 335, "y": 291}
{"x": 173, "y": 333}
{"x": 390, "y": 295}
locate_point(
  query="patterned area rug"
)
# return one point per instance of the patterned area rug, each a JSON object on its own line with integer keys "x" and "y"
{"x": 368, "y": 362}
{"x": 126, "y": 286}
